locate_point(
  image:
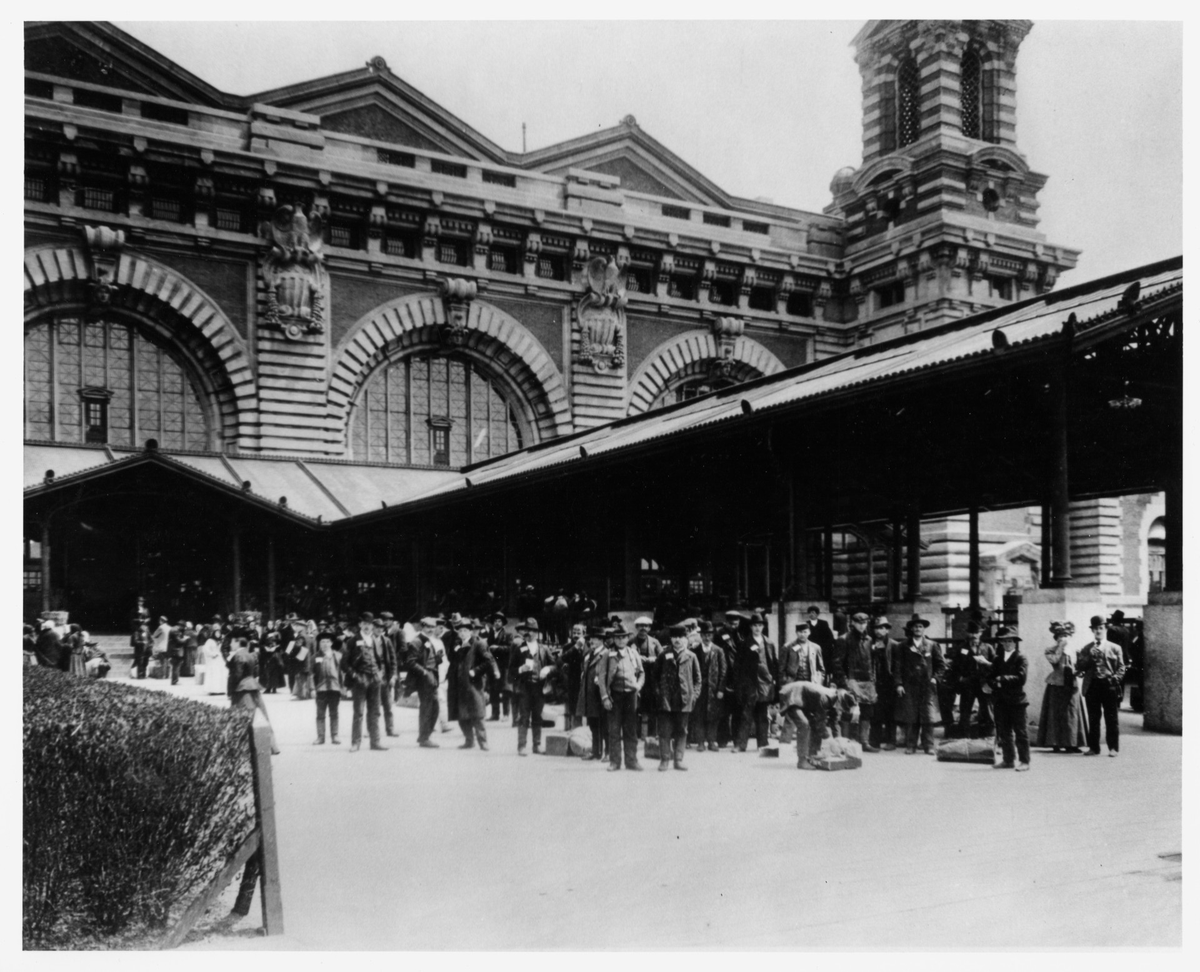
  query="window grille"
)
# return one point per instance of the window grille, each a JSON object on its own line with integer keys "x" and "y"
{"x": 722, "y": 292}
{"x": 500, "y": 179}
{"x": 714, "y": 219}
{"x": 389, "y": 157}
{"x": 35, "y": 188}
{"x": 340, "y": 236}
{"x": 400, "y": 244}
{"x": 448, "y": 168}
{"x": 638, "y": 280}
{"x": 751, "y": 227}
{"x": 166, "y": 209}
{"x": 683, "y": 288}
{"x": 908, "y": 102}
{"x": 452, "y": 253}
{"x": 229, "y": 219}
{"x": 969, "y": 92}
{"x": 502, "y": 260}
{"x": 432, "y": 410}
{"x": 164, "y": 113}
{"x": 676, "y": 212}
{"x": 94, "y": 198}
{"x": 550, "y": 267}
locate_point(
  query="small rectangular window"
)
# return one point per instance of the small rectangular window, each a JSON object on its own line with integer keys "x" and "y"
{"x": 762, "y": 298}
{"x": 800, "y": 304}
{"x": 639, "y": 280}
{"x": 341, "y": 235}
{"x": 95, "y": 419}
{"x": 502, "y": 260}
{"x": 441, "y": 445}
{"x": 499, "y": 179}
{"x": 683, "y": 288}
{"x": 229, "y": 219}
{"x": 550, "y": 267}
{"x": 164, "y": 113}
{"x": 35, "y": 188}
{"x": 1001, "y": 287}
{"x": 400, "y": 244}
{"x": 389, "y": 157}
{"x": 453, "y": 253}
{"x": 170, "y": 210}
{"x": 97, "y": 99}
{"x": 33, "y": 579}
{"x": 714, "y": 219}
{"x": 448, "y": 168}
{"x": 751, "y": 227}
{"x": 676, "y": 212}
{"x": 722, "y": 292}
{"x": 890, "y": 294}
{"x": 95, "y": 198}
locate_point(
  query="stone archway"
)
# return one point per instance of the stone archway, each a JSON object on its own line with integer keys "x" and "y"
{"x": 167, "y": 304}
{"x": 687, "y": 354}
{"x": 414, "y": 323}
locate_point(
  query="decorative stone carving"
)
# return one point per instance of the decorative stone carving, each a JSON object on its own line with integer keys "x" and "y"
{"x": 294, "y": 273}
{"x": 601, "y": 314}
{"x": 457, "y": 295}
{"x": 726, "y": 331}
{"x": 104, "y": 248}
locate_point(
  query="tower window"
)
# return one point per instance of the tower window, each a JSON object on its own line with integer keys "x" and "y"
{"x": 890, "y": 294}
{"x": 440, "y": 434}
{"x": 908, "y": 102}
{"x": 970, "y": 92}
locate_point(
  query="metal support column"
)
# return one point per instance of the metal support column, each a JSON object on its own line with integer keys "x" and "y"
{"x": 1173, "y": 541}
{"x": 897, "y": 558}
{"x": 46, "y": 563}
{"x": 827, "y": 563}
{"x": 1047, "y": 559}
{"x": 237, "y": 566}
{"x": 913, "y": 539}
{"x": 973, "y": 557}
{"x": 1060, "y": 496}
{"x": 270, "y": 577}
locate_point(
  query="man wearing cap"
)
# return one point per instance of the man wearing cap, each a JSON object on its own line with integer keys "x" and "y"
{"x": 475, "y": 666}
{"x": 853, "y": 670}
{"x": 649, "y": 648}
{"x": 499, "y": 642}
{"x": 714, "y": 670}
{"x": 755, "y": 675}
{"x": 819, "y": 632}
{"x": 327, "y": 686}
{"x": 364, "y": 664}
{"x": 727, "y": 637}
{"x": 883, "y": 663}
{"x": 800, "y": 661}
{"x": 589, "y": 704}
{"x": 677, "y": 677}
{"x": 1102, "y": 669}
{"x": 424, "y": 655}
{"x": 621, "y": 677}
{"x": 816, "y": 711}
{"x": 390, "y": 628}
{"x": 968, "y": 670}
{"x": 1007, "y": 680}
{"x": 391, "y": 665}
{"x": 920, "y": 662}
{"x": 570, "y": 667}
{"x": 529, "y": 666}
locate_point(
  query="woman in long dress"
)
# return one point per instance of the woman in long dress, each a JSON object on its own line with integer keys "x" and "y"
{"x": 74, "y": 643}
{"x": 216, "y": 672}
{"x": 1063, "y": 724}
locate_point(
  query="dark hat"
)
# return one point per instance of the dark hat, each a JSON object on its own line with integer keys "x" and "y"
{"x": 678, "y": 631}
{"x": 803, "y": 626}
{"x": 706, "y": 627}
{"x": 499, "y": 616}
{"x": 757, "y": 618}
{"x": 529, "y": 624}
{"x": 860, "y": 616}
{"x": 813, "y": 607}
{"x": 881, "y": 622}
{"x": 1097, "y": 621}
{"x": 1005, "y": 633}
{"x": 973, "y": 627}
{"x": 1117, "y": 617}
{"x": 387, "y": 616}
{"x": 464, "y": 622}
{"x": 455, "y": 617}
{"x": 917, "y": 619}
{"x": 429, "y": 621}
{"x": 595, "y": 632}
{"x": 366, "y": 616}
{"x": 326, "y": 635}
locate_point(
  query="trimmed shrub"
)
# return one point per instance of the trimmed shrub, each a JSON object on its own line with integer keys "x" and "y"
{"x": 134, "y": 800}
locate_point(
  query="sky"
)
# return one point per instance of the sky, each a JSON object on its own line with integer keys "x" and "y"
{"x": 763, "y": 108}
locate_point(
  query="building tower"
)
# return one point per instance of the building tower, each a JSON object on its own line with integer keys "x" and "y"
{"x": 941, "y": 217}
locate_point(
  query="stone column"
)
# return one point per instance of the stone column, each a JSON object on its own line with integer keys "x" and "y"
{"x": 1162, "y": 662}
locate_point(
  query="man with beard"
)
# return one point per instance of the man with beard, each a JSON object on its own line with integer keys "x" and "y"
{"x": 755, "y": 674}
{"x": 677, "y": 674}
{"x": 920, "y": 662}
{"x": 424, "y": 656}
{"x": 649, "y": 648}
{"x": 854, "y": 671}
{"x": 474, "y": 665}
{"x": 529, "y": 665}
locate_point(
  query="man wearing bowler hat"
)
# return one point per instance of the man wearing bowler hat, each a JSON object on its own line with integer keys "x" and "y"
{"x": 677, "y": 674}
{"x": 1007, "y": 680}
{"x": 714, "y": 669}
{"x": 884, "y": 649}
{"x": 1102, "y": 669}
{"x": 920, "y": 663}
{"x": 853, "y": 671}
{"x": 475, "y": 665}
{"x": 968, "y": 669}
{"x": 755, "y": 675}
{"x": 424, "y": 657}
{"x": 529, "y": 665}
{"x": 499, "y": 642}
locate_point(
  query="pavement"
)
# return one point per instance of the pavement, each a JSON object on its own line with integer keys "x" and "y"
{"x": 448, "y": 849}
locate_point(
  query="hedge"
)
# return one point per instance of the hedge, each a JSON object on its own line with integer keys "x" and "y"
{"x": 134, "y": 800}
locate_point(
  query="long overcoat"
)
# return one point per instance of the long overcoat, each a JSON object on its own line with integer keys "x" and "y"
{"x": 915, "y": 670}
{"x": 677, "y": 679}
{"x": 589, "y": 704}
{"x": 474, "y": 665}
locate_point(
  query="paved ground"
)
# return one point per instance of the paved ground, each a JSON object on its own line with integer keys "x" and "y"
{"x": 420, "y": 849}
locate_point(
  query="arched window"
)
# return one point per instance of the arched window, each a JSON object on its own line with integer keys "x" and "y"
{"x": 432, "y": 410}
{"x": 908, "y": 102}
{"x": 103, "y": 381}
{"x": 1156, "y": 553}
{"x": 970, "y": 93}
{"x": 690, "y": 388}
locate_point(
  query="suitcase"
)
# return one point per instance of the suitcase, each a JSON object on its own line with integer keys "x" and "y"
{"x": 967, "y": 751}
{"x": 556, "y": 744}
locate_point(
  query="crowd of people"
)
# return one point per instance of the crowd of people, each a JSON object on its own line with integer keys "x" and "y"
{"x": 693, "y": 685}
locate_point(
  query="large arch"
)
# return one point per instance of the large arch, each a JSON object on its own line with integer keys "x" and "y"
{"x": 688, "y": 353}
{"x": 57, "y": 278}
{"x": 410, "y": 324}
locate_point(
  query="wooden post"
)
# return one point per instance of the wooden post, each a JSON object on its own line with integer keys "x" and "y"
{"x": 264, "y": 814}
{"x": 973, "y": 556}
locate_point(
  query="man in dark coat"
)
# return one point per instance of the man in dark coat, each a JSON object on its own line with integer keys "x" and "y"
{"x": 570, "y": 667}
{"x": 677, "y": 686}
{"x": 919, "y": 663}
{"x": 853, "y": 670}
{"x": 49, "y": 648}
{"x": 800, "y": 660}
{"x": 649, "y": 648}
{"x": 820, "y": 632}
{"x": 714, "y": 671}
{"x": 474, "y": 665}
{"x": 968, "y": 669}
{"x": 1102, "y": 670}
{"x": 140, "y": 640}
{"x": 727, "y": 637}
{"x": 589, "y": 704}
{"x": 423, "y": 659}
{"x": 499, "y": 642}
{"x": 364, "y": 664}
{"x": 243, "y": 687}
{"x": 755, "y": 674}
{"x": 812, "y": 710}
{"x": 528, "y": 668}
{"x": 176, "y": 650}
{"x": 1007, "y": 680}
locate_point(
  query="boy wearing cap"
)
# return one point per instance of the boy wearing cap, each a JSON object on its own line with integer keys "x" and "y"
{"x": 528, "y": 667}
{"x": 1007, "y": 680}
{"x": 621, "y": 677}
{"x": 677, "y": 686}
{"x": 1102, "y": 669}
{"x": 920, "y": 662}
{"x": 327, "y": 687}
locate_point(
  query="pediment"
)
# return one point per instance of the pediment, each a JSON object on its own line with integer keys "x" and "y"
{"x": 101, "y": 54}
